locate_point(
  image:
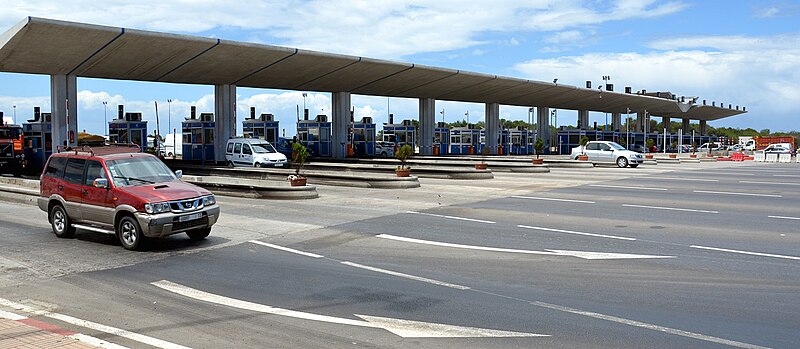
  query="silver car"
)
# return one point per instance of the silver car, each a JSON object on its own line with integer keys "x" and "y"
{"x": 609, "y": 152}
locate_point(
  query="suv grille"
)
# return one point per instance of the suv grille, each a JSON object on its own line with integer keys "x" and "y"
{"x": 189, "y": 205}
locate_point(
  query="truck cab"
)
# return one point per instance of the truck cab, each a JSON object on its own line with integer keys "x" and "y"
{"x": 12, "y": 157}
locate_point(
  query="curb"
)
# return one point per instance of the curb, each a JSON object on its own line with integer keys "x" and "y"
{"x": 252, "y": 188}
{"x": 47, "y": 334}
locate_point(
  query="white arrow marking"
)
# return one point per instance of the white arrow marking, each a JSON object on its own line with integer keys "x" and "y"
{"x": 579, "y": 254}
{"x": 402, "y": 328}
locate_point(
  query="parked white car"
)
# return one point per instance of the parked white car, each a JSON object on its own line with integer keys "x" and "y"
{"x": 705, "y": 147}
{"x": 253, "y": 152}
{"x": 778, "y": 148}
{"x": 384, "y": 149}
{"x": 609, "y": 152}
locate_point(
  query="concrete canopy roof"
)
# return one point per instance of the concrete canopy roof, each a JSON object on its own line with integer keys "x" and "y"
{"x": 44, "y": 46}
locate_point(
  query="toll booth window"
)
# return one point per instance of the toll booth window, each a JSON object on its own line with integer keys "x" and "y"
{"x": 197, "y": 136}
{"x": 325, "y": 136}
{"x": 55, "y": 168}
{"x": 437, "y": 137}
{"x": 455, "y": 139}
{"x": 187, "y": 138}
{"x": 313, "y": 134}
{"x": 94, "y": 170}
{"x": 122, "y": 136}
{"x": 48, "y": 142}
{"x": 402, "y": 137}
{"x": 136, "y": 137}
{"x": 238, "y": 148}
{"x": 229, "y": 149}
{"x": 369, "y": 136}
{"x": 303, "y": 136}
{"x": 73, "y": 173}
{"x": 246, "y": 150}
{"x": 271, "y": 137}
{"x": 209, "y": 136}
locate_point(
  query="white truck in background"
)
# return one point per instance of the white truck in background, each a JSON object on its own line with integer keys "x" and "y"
{"x": 747, "y": 143}
{"x": 173, "y": 146}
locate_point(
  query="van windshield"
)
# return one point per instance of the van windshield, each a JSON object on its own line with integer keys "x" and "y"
{"x": 139, "y": 171}
{"x": 263, "y": 148}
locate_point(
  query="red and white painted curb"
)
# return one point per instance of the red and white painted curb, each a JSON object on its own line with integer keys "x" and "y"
{"x": 59, "y": 331}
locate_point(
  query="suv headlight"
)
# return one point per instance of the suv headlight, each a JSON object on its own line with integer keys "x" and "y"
{"x": 158, "y": 207}
{"x": 209, "y": 200}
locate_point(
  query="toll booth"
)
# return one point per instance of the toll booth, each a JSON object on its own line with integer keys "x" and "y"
{"x": 400, "y": 134}
{"x": 465, "y": 140}
{"x": 441, "y": 139}
{"x": 264, "y": 127}
{"x": 38, "y": 144}
{"x": 518, "y": 141}
{"x": 363, "y": 137}
{"x": 198, "y": 137}
{"x": 128, "y": 128}
{"x": 315, "y": 135}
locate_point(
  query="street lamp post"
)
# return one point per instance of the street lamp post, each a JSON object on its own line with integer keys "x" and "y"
{"x": 14, "y": 119}
{"x": 105, "y": 117}
{"x": 169, "y": 116}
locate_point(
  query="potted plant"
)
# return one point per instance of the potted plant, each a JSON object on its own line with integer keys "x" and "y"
{"x": 538, "y": 147}
{"x": 674, "y": 146}
{"x": 583, "y": 157}
{"x": 482, "y": 165}
{"x": 402, "y": 154}
{"x": 650, "y": 143}
{"x": 299, "y": 157}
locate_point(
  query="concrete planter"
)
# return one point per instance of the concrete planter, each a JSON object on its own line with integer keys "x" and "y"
{"x": 693, "y": 156}
{"x": 481, "y": 166}
{"x": 648, "y": 156}
{"x": 537, "y": 161}
{"x": 583, "y": 157}
{"x": 403, "y": 172}
{"x": 299, "y": 182}
{"x": 673, "y": 156}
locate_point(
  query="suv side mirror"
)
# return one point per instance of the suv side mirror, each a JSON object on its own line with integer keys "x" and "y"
{"x": 179, "y": 173}
{"x": 100, "y": 183}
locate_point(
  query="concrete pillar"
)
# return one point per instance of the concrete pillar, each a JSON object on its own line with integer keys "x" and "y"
{"x": 225, "y": 118}
{"x": 641, "y": 118}
{"x": 665, "y": 123}
{"x": 339, "y": 124}
{"x": 616, "y": 121}
{"x": 492, "y": 126}
{"x": 64, "y": 109}
{"x": 427, "y": 124}
{"x": 703, "y": 128}
{"x": 543, "y": 127}
{"x": 685, "y": 126}
{"x": 583, "y": 119}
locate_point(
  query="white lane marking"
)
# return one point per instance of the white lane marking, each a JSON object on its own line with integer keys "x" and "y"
{"x": 407, "y": 276}
{"x": 578, "y": 254}
{"x": 307, "y": 254}
{"x": 403, "y": 328}
{"x": 451, "y": 217}
{"x": 11, "y": 316}
{"x": 745, "y": 252}
{"x": 785, "y": 217}
{"x": 670, "y": 208}
{"x": 681, "y": 179}
{"x": 732, "y": 193}
{"x": 154, "y": 342}
{"x": 625, "y": 187}
{"x": 649, "y": 326}
{"x": 418, "y": 329}
{"x": 576, "y": 233}
{"x": 552, "y": 199}
{"x": 775, "y": 183}
{"x": 778, "y": 175}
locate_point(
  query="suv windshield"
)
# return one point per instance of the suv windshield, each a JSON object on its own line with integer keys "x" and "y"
{"x": 138, "y": 171}
{"x": 262, "y": 148}
{"x": 616, "y": 146}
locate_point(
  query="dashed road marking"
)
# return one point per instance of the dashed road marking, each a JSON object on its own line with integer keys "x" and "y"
{"x": 577, "y": 233}
{"x": 733, "y": 193}
{"x": 785, "y": 217}
{"x": 406, "y": 276}
{"x": 451, "y": 217}
{"x": 769, "y": 183}
{"x": 626, "y": 187}
{"x": 552, "y": 199}
{"x": 291, "y": 250}
{"x": 681, "y": 179}
{"x": 670, "y": 208}
{"x": 745, "y": 252}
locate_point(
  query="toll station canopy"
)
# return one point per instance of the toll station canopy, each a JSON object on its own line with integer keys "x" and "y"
{"x": 54, "y": 47}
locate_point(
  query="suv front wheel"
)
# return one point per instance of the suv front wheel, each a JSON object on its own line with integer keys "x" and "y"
{"x": 62, "y": 225}
{"x": 130, "y": 234}
{"x": 199, "y": 234}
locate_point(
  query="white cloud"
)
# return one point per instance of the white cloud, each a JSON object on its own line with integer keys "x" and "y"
{"x": 762, "y": 73}
{"x": 767, "y": 12}
{"x": 390, "y": 29}
{"x": 564, "y": 37}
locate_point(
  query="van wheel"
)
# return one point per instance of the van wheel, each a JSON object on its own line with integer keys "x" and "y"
{"x": 230, "y": 164}
{"x": 169, "y": 154}
{"x": 383, "y": 154}
{"x": 62, "y": 225}
{"x": 622, "y": 162}
{"x": 130, "y": 234}
{"x": 199, "y": 234}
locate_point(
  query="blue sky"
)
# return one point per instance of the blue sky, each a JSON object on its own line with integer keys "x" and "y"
{"x": 741, "y": 52}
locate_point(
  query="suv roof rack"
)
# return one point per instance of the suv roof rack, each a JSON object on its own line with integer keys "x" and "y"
{"x": 112, "y": 148}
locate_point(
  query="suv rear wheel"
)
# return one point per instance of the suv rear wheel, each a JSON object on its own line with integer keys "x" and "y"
{"x": 62, "y": 225}
{"x": 199, "y": 234}
{"x": 130, "y": 234}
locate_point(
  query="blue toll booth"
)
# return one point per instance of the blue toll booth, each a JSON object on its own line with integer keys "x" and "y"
{"x": 198, "y": 137}
{"x": 519, "y": 141}
{"x": 441, "y": 139}
{"x": 128, "y": 128}
{"x": 364, "y": 137}
{"x": 38, "y": 136}
{"x": 465, "y": 140}
{"x": 315, "y": 135}
{"x": 400, "y": 134}
{"x": 264, "y": 127}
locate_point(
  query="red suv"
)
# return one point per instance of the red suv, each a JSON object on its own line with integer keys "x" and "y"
{"x": 132, "y": 195}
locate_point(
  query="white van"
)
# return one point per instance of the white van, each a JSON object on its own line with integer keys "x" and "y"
{"x": 253, "y": 152}
{"x": 173, "y": 146}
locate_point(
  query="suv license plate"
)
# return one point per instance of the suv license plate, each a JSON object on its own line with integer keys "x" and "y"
{"x": 190, "y": 217}
{"x": 278, "y": 165}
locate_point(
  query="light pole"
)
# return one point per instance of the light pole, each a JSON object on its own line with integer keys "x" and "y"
{"x": 14, "y": 119}
{"x": 105, "y": 117}
{"x": 442, "y": 112}
{"x": 169, "y": 116}
{"x": 467, "y": 114}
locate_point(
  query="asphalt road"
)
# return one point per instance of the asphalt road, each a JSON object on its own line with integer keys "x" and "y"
{"x": 668, "y": 256}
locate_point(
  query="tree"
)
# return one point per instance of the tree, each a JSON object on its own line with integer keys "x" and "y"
{"x": 403, "y": 154}
{"x": 299, "y": 156}
{"x": 538, "y": 146}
